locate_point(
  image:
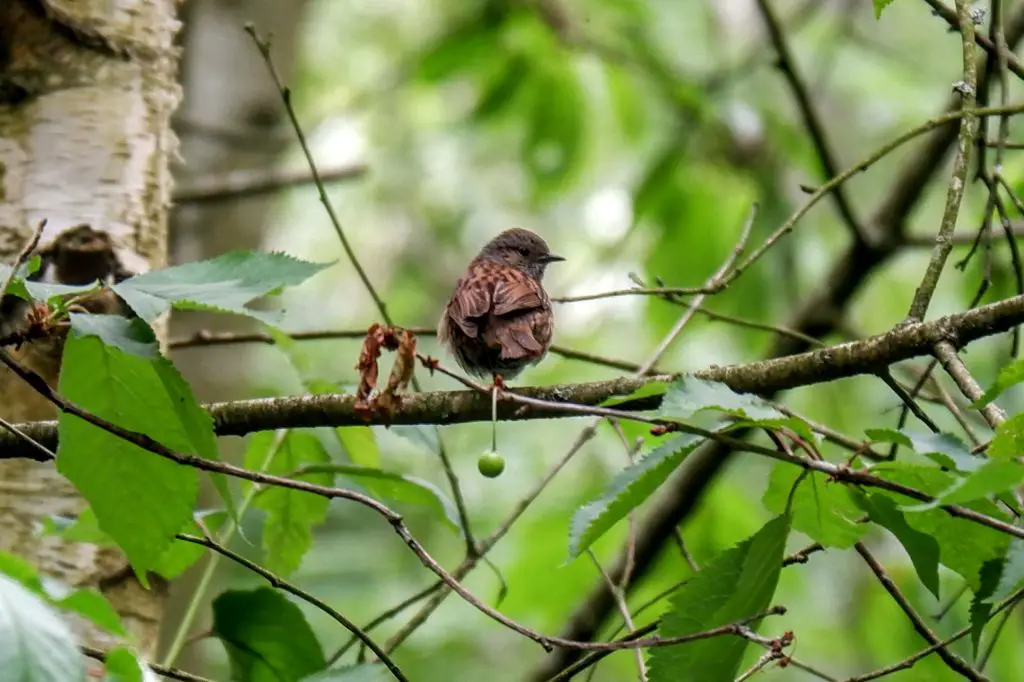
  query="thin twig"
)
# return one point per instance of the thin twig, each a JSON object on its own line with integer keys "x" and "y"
{"x": 946, "y": 353}
{"x": 23, "y": 256}
{"x": 965, "y": 139}
{"x": 954, "y": 662}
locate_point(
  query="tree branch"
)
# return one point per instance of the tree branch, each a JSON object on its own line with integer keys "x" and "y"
{"x": 866, "y": 356}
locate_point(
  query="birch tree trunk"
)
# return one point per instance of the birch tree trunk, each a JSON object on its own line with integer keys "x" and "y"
{"x": 87, "y": 89}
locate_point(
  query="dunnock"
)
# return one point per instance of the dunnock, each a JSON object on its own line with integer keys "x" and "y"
{"x": 498, "y": 320}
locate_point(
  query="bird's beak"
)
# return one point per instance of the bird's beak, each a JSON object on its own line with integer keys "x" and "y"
{"x": 550, "y": 258}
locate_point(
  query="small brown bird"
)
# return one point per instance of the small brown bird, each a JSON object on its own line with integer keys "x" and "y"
{"x": 498, "y": 320}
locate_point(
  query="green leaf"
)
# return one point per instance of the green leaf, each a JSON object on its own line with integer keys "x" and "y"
{"x": 628, "y": 490}
{"x": 122, "y": 666}
{"x": 140, "y": 499}
{"x": 1008, "y": 376}
{"x": 132, "y": 336}
{"x": 879, "y": 6}
{"x": 687, "y": 396}
{"x": 21, "y": 570}
{"x": 944, "y": 449}
{"x": 645, "y": 391}
{"x": 91, "y": 605}
{"x": 266, "y": 636}
{"x": 994, "y": 477}
{"x": 1008, "y": 441}
{"x": 397, "y": 487}
{"x": 735, "y": 585}
{"x": 964, "y": 546}
{"x": 1011, "y": 577}
{"x": 35, "y": 644}
{"x": 360, "y": 444}
{"x": 824, "y": 511}
{"x": 292, "y": 514}
{"x": 922, "y": 548}
{"x": 27, "y": 289}
{"x": 981, "y": 608}
{"x": 226, "y": 283}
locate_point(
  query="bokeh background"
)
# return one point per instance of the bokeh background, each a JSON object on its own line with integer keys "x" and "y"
{"x": 634, "y": 135}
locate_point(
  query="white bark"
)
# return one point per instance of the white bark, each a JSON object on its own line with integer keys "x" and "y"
{"x": 87, "y": 89}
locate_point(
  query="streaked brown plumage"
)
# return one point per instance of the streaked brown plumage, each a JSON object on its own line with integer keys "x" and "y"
{"x": 498, "y": 320}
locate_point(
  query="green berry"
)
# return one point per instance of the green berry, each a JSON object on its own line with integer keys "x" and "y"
{"x": 491, "y": 464}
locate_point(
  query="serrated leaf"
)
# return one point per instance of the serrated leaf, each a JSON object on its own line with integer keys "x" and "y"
{"x": 225, "y": 283}
{"x": 945, "y": 449}
{"x": 140, "y": 499}
{"x": 824, "y": 511}
{"x": 398, "y": 487}
{"x": 132, "y": 336}
{"x": 266, "y": 636}
{"x": 292, "y": 514}
{"x": 921, "y": 547}
{"x": 35, "y": 290}
{"x": 688, "y": 396}
{"x": 35, "y": 644}
{"x": 981, "y": 608}
{"x": 735, "y": 585}
{"x": 964, "y": 546}
{"x": 881, "y": 5}
{"x": 628, "y": 490}
{"x": 645, "y": 391}
{"x": 1011, "y": 576}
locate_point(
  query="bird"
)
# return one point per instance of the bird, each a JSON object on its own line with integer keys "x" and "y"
{"x": 498, "y": 320}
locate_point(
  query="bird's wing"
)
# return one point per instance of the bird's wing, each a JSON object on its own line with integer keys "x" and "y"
{"x": 470, "y": 303}
{"x": 517, "y": 295}
{"x": 520, "y": 304}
